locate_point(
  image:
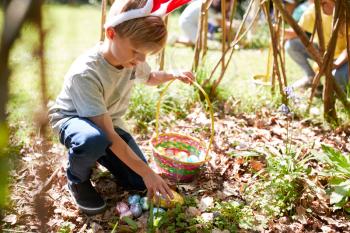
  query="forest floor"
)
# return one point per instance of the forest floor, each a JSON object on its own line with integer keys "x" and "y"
{"x": 241, "y": 146}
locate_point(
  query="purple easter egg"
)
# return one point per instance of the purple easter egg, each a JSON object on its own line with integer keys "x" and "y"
{"x": 136, "y": 210}
{"x": 121, "y": 208}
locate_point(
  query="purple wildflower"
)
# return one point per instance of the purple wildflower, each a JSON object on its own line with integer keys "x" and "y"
{"x": 289, "y": 91}
{"x": 284, "y": 109}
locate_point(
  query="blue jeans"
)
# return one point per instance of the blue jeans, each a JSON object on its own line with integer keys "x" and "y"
{"x": 299, "y": 54}
{"x": 341, "y": 75}
{"x": 88, "y": 144}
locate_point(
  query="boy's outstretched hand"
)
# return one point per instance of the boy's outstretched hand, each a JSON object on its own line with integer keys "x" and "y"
{"x": 155, "y": 184}
{"x": 185, "y": 76}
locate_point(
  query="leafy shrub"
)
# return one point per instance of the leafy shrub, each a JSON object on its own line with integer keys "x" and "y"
{"x": 338, "y": 170}
{"x": 231, "y": 215}
{"x": 278, "y": 188}
{"x": 143, "y": 103}
{"x": 142, "y": 106}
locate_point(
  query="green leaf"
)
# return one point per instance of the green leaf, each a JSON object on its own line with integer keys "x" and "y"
{"x": 336, "y": 197}
{"x": 130, "y": 222}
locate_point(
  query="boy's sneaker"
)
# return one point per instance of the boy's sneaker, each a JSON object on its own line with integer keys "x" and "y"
{"x": 86, "y": 197}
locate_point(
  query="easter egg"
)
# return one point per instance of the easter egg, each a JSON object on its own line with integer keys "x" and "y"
{"x": 192, "y": 159}
{"x": 169, "y": 152}
{"x": 202, "y": 156}
{"x": 181, "y": 154}
{"x": 178, "y": 199}
{"x": 157, "y": 211}
{"x": 144, "y": 203}
{"x": 133, "y": 199}
{"x": 126, "y": 214}
{"x": 121, "y": 208}
{"x": 161, "y": 150}
{"x": 136, "y": 210}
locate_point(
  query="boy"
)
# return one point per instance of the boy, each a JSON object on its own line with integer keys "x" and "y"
{"x": 298, "y": 52}
{"x": 87, "y": 113}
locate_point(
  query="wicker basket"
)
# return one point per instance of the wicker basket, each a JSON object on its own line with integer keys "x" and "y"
{"x": 167, "y": 163}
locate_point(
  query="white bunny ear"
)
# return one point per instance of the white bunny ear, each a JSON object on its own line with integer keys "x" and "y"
{"x": 113, "y": 21}
{"x": 153, "y": 7}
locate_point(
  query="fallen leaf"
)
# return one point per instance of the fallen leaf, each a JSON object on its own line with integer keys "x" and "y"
{"x": 205, "y": 203}
{"x": 256, "y": 165}
{"x": 12, "y": 219}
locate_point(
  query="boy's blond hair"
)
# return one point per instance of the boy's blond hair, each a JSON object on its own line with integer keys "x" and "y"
{"x": 149, "y": 31}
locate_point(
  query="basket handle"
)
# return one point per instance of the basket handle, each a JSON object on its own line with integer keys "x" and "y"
{"x": 210, "y": 112}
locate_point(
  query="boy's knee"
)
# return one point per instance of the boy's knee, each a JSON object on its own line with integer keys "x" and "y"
{"x": 341, "y": 78}
{"x": 94, "y": 143}
{"x": 291, "y": 45}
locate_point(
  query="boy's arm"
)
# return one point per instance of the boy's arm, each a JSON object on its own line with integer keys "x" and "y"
{"x": 159, "y": 77}
{"x": 119, "y": 147}
{"x": 289, "y": 33}
{"x": 341, "y": 59}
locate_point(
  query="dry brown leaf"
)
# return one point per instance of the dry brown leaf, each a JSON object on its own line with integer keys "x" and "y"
{"x": 256, "y": 165}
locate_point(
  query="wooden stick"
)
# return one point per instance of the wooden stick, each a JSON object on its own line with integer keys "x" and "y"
{"x": 103, "y": 19}
{"x": 223, "y": 39}
{"x": 274, "y": 41}
{"x": 347, "y": 24}
{"x": 47, "y": 185}
{"x": 279, "y": 51}
{"x": 237, "y": 38}
{"x": 198, "y": 46}
{"x": 162, "y": 54}
{"x": 231, "y": 48}
{"x": 319, "y": 26}
{"x": 300, "y": 33}
{"x": 330, "y": 113}
{"x": 205, "y": 34}
{"x": 233, "y": 8}
{"x": 313, "y": 52}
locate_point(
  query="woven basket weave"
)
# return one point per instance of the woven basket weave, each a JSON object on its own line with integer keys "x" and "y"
{"x": 167, "y": 163}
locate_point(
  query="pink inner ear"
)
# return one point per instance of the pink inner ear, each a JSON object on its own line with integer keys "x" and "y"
{"x": 172, "y": 5}
{"x": 157, "y": 3}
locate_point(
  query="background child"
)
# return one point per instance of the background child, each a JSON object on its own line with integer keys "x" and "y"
{"x": 95, "y": 95}
{"x": 299, "y": 54}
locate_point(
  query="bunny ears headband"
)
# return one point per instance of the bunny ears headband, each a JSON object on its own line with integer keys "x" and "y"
{"x": 152, "y": 8}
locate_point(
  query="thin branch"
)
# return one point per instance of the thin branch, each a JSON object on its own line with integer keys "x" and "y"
{"x": 300, "y": 33}
{"x": 319, "y": 26}
{"x": 231, "y": 48}
{"x": 223, "y": 39}
{"x": 237, "y": 39}
{"x": 274, "y": 41}
{"x": 103, "y": 19}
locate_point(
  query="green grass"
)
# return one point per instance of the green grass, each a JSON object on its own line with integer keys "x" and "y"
{"x": 73, "y": 29}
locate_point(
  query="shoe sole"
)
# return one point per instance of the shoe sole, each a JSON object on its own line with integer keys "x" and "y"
{"x": 87, "y": 210}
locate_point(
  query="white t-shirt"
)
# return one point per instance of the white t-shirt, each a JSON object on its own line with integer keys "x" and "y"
{"x": 93, "y": 87}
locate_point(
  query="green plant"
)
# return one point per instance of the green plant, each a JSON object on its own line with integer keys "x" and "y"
{"x": 279, "y": 186}
{"x": 232, "y": 215}
{"x": 66, "y": 228}
{"x": 338, "y": 170}
{"x": 142, "y": 107}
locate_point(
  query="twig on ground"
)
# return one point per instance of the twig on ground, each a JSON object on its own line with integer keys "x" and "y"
{"x": 49, "y": 182}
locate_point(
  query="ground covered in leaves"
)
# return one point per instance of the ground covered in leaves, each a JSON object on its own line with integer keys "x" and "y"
{"x": 263, "y": 176}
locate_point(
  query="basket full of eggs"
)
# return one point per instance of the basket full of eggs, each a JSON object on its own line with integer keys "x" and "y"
{"x": 180, "y": 157}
